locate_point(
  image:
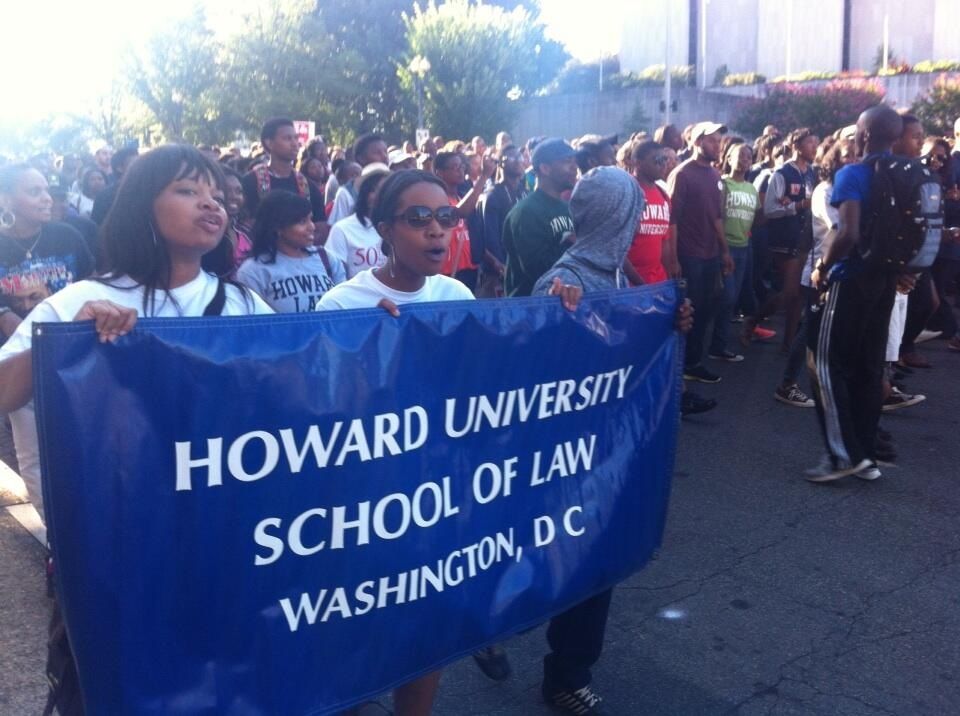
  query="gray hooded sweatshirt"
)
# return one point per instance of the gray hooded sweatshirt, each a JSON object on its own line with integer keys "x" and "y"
{"x": 606, "y": 205}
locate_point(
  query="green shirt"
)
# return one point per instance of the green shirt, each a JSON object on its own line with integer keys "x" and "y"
{"x": 740, "y": 200}
{"x": 536, "y": 232}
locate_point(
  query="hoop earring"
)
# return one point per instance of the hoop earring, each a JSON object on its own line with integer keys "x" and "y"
{"x": 7, "y": 219}
{"x": 393, "y": 261}
{"x": 153, "y": 233}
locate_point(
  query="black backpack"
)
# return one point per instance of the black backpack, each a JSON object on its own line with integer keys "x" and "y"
{"x": 905, "y": 218}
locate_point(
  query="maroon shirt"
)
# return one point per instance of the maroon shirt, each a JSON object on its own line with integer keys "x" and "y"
{"x": 696, "y": 192}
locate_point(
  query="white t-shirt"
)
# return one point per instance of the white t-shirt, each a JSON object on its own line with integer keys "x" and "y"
{"x": 343, "y": 205}
{"x": 365, "y": 291}
{"x": 826, "y": 220}
{"x": 83, "y": 204}
{"x": 330, "y": 190}
{"x": 356, "y": 246}
{"x": 191, "y": 300}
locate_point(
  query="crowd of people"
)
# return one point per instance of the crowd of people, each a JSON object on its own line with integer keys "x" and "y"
{"x": 783, "y": 224}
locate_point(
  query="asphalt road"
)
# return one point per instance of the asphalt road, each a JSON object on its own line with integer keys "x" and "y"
{"x": 770, "y": 595}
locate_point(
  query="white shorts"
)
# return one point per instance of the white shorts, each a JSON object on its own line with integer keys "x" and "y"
{"x": 898, "y": 322}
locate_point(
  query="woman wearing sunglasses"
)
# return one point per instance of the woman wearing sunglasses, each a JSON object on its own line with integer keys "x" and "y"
{"x": 414, "y": 220}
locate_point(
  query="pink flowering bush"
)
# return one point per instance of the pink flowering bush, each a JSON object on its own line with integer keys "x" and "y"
{"x": 823, "y": 109}
{"x": 940, "y": 107}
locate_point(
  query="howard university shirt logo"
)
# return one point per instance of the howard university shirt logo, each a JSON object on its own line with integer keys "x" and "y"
{"x": 304, "y": 290}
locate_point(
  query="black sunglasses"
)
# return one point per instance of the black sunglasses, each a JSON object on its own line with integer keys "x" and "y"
{"x": 419, "y": 217}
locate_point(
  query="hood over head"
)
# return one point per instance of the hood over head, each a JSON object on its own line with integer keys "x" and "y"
{"x": 606, "y": 205}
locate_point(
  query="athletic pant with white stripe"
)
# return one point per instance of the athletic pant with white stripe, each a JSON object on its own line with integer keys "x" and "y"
{"x": 576, "y": 642}
{"x": 847, "y": 345}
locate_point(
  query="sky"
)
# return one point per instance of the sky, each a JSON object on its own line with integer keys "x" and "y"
{"x": 61, "y": 53}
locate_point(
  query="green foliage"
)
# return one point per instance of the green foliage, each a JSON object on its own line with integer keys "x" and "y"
{"x": 805, "y": 76}
{"x": 900, "y": 68}
{"x": 679, "y": 75}
{"x": 113, "y": 117}
{"x": 578, "y": 77}
{"x": 373, "y": 32}
{"x": 929, "y": 66}
{"x": 744, "y": 78}
{"x": 892, "y": 59}
{"x": 482, "y": 59}
{"x": 823, "y": 109}
{"x": 940, "y": 107}
{"x": 62, "y": 134}
{"x": 174, "y": 74}
{"x": 280, "y": 64}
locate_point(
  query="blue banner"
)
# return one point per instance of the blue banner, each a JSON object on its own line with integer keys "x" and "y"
{"x": 289, "y": 514}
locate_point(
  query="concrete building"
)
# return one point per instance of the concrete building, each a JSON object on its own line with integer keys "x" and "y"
{"x": 778, "y": 37}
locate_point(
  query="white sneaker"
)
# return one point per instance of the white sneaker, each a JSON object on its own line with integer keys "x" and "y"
{"x": 869, "y": 473}
{"x": 926, "y": 335}
{"x": 829, "y": 472}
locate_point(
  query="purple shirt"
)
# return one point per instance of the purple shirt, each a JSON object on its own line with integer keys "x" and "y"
{"x": 696, "y": 192}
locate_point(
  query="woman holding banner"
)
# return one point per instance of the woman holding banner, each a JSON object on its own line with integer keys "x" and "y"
{"x": 414, "y": 218}
{"x": 165, "y": 252}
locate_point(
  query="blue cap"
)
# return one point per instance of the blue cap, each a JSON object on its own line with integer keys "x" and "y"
{"x": 551, "y": 150}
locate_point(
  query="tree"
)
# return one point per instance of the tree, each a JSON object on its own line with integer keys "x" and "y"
{"x": 116, "y": 116}
{"x": 373, "y": 32}
{"x": 174, "y": 75}
{"x": 282, "y": 62}
{"x": 482, "y": 59}
{"x": 60, "y": 133}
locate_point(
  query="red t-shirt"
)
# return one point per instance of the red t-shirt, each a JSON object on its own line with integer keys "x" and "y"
{"x": 459, "y": 248}
{"x": 652, "y": 231}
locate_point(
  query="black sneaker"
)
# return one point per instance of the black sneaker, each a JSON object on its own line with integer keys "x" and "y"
{"x": 700, "y": 374}
{"x": 692, "y": 404}
{"x": 493, "y": 662}
{"x": 792, "y": 395}
{"x": 582, "y": 702}
{"x": 898, "y": 399}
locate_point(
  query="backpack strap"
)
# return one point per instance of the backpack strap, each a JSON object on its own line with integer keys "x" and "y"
{"x": 322, "y": 253}
{"x": 263, "y": 179}
{"x": 219, "y": 300}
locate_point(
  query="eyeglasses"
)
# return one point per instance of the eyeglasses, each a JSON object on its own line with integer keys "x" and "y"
{"x": 419, "y": 217}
